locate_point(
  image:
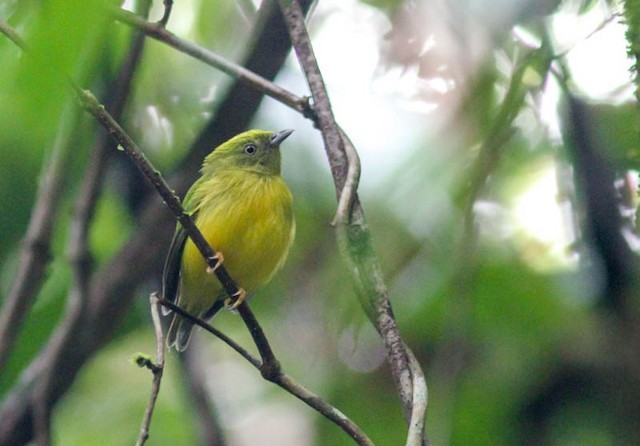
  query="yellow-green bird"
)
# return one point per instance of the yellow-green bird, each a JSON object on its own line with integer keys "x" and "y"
{"x": 243, "y": 208}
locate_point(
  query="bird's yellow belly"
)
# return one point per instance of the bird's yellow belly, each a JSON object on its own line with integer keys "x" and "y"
{"x": 253, "y": 235}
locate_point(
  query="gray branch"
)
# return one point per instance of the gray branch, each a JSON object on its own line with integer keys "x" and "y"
{"x": 353, "y": 235}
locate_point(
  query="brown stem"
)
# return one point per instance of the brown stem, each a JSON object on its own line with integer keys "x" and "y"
{"x": 352, "y": 231}
{"x": 157, "y": 369}
{"x": 272, "y": 372}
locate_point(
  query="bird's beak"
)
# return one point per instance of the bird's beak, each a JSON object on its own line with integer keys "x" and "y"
{"x": 277, "y": 138}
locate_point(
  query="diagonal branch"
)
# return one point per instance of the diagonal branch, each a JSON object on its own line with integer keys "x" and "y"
{"x": 270, "y": 370}
{"x": 158, "y": 32}
{"x": 153, "y": 176}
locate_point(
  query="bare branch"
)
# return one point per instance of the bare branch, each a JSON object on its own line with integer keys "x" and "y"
{"x": 294, "y": 18}
{"x": 270, "y": 366}
{"x": 12, "y": 35}
{"x": 420, "y": 402}
{"x": 351, "y": 230}
{"x": 272, "y": 372}
{"x": 348, "y": 194}
{"x": 311, "y": 399}
{"x": 214, "y": 331}
{"x": 168, "y": 6}
{"x": 157, "y": 369}
{"x": 158, "y": 32}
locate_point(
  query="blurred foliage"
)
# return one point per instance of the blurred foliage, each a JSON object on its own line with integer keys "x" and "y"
{"x": 494, "y": 312}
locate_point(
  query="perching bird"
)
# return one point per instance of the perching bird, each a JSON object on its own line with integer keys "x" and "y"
{"x": 243, "y": 208}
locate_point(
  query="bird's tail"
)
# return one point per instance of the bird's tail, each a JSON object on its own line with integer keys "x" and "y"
{"x": 181, "y": 328}
{"x": 179, "y": 333}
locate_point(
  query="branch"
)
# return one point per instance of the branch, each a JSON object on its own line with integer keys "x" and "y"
{"x": 158, "y": 32}
{"x": 168, "y": 6}
{"x": 420, "y": 402}
{"x": 352, "y": 232}
{"x": 12, "y": 35}
{"x": 214, "y": 331}
{"x": 270, "y": 366}
{"x": 156, "y": 369}
{"x": 348, "y": 194}
{"x": 272, "y": 372}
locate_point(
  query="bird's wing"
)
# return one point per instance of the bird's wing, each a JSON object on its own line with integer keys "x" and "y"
{"x": 173, "y": 262}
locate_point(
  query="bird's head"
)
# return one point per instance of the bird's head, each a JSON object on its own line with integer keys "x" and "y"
{"x": 254, "y": 150}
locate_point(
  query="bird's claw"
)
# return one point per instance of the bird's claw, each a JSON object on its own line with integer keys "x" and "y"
{"x": 219, "y": 258}
{"x": 236, "y": 300}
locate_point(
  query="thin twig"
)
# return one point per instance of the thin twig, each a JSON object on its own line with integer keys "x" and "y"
{"x": 270, "y": 365}
{"x": 327, "y": 410}
{"x": 214, "y": 331}
{"x": 294, "y": 19}
{"x": 158, "y": 32}
{"x": 351, "y": 229}
{"x": 168, "y": 6}
{"x": 420, "y": 402}
{"x": 12, "y": 35}
{"x": 157, "y": 369}
{"x": 348, "y": 193}
{"x": 275, "y": 374}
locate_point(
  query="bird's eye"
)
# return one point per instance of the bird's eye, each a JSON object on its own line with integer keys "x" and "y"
{"x": 250, "y": 149}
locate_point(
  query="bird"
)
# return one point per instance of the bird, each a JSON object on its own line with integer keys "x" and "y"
{"x": 244, "y": 209}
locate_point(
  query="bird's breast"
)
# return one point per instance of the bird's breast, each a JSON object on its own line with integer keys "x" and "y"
{"x": 250, "y": 221}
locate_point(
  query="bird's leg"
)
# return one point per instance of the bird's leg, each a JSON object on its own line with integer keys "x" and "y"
{"x": 239, "y": 296}
{"x": 219, "y": 258}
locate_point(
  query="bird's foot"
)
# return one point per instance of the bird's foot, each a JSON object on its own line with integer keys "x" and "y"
{"x": 219, "y": 258}
{"x": 236, "y": 300}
